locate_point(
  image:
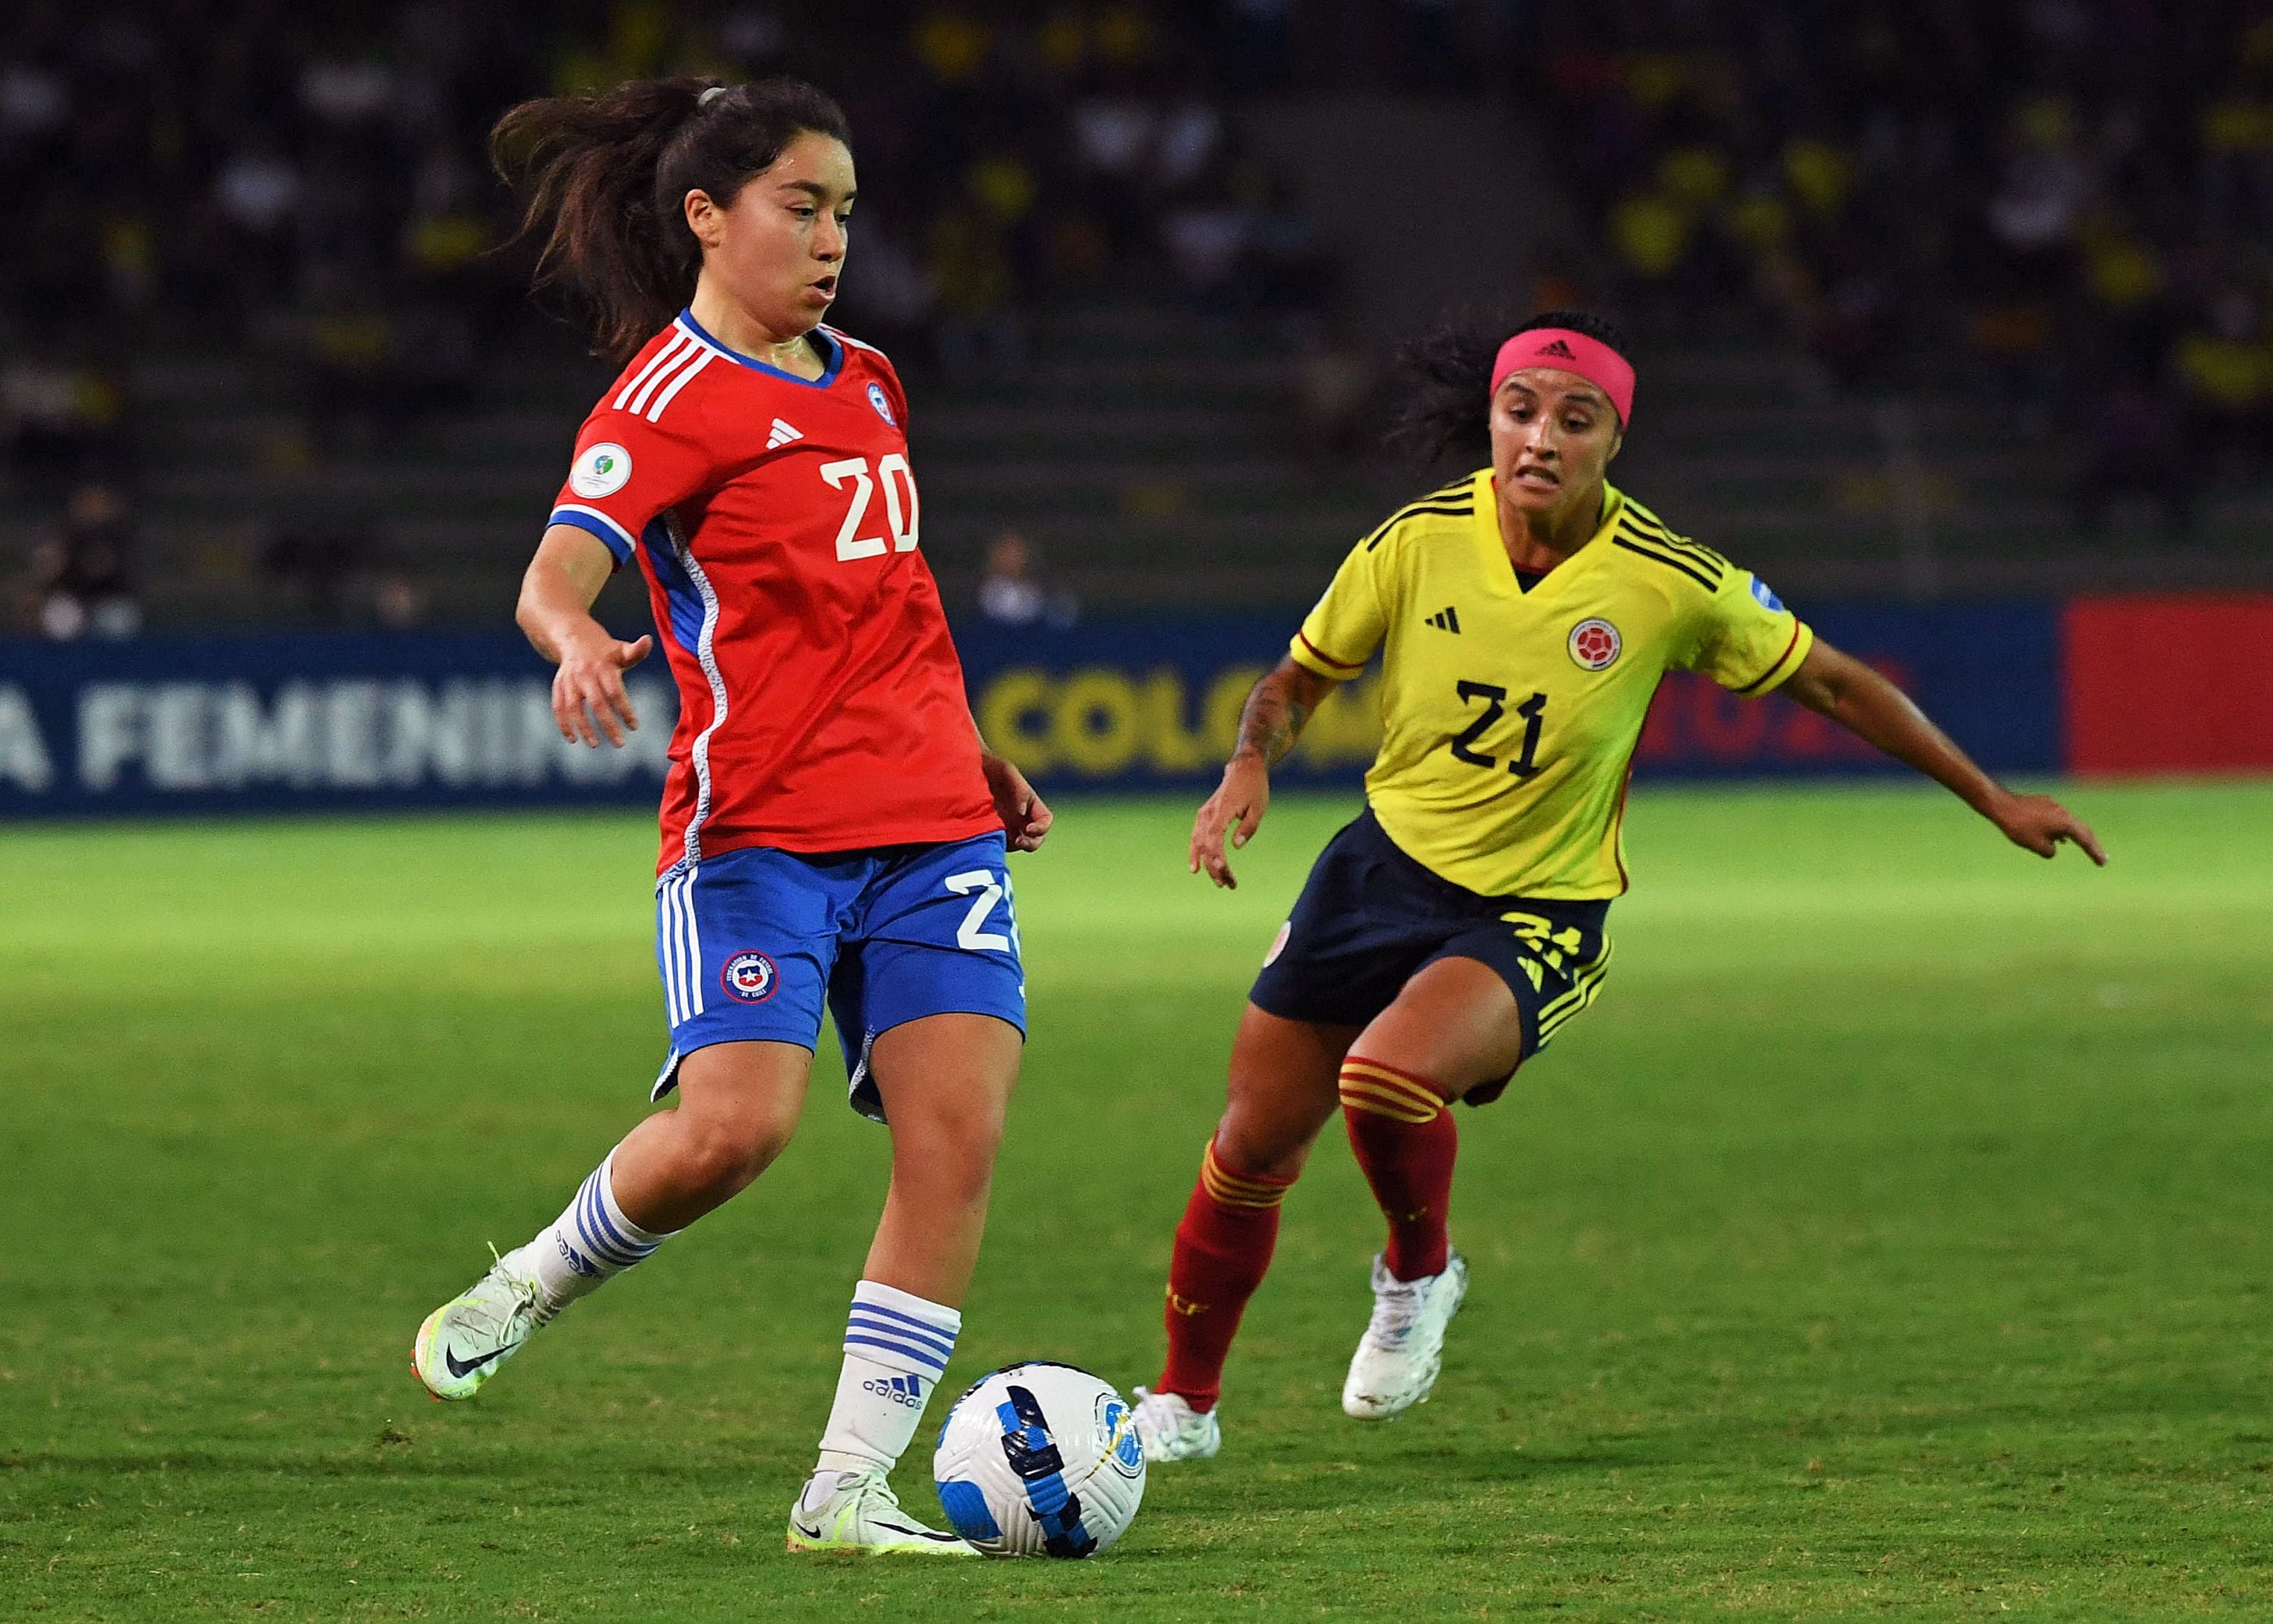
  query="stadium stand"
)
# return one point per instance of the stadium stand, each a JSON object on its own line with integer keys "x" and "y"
{"x": 1930, "y": 298}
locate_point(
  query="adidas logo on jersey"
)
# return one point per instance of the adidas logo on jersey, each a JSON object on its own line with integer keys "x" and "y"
{"x": 1446, "y": 620}
{"x": 1558, "y": 348}
{"x": 781, "y": 436}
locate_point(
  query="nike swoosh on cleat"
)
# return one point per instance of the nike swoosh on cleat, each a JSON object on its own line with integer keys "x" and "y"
{"x": 471, "y": 1366}
{"x": 920, "y": 1533}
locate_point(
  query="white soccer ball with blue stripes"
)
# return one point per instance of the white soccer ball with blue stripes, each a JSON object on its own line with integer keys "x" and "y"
{"x": 1041, "y": 1459}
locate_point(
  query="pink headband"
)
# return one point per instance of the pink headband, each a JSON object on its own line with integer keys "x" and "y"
{"x": 1571, "y": 352}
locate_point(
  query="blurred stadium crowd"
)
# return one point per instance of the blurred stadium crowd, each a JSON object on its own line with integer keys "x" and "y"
{"x": 2074, "y": 198}
{"x": 311, "y": 181}
{"x": 2069, "y": 200}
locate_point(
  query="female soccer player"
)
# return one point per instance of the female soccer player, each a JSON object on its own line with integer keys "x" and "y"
{"x": 833, "y": 828}
{"x": 1527, "y": 612}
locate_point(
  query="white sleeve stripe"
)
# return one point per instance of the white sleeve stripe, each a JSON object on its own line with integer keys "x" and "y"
{"x": 639, "y": 400}
{"x": 653, "y": 361}
{"x": 655, "y": 412}
{"x": 629, "y": 540}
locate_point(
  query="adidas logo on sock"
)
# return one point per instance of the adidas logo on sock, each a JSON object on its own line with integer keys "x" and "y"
{"x": 781, "y": 436}
{"x": 1558, "y": 348}
{"x": 1446, "y": 620}
{"x": 905, "y": 1390}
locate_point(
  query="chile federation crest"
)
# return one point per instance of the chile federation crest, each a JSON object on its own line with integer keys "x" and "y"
{"x": 749, "y": 977}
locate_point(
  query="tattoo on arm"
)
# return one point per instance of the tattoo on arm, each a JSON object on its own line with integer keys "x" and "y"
{"x": 1273, "y": 717}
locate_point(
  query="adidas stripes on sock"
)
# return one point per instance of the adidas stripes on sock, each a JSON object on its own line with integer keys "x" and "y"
{"x": 1222, "y": 1249}
{"x": 590, "y": 1243}
{"x": 896, "y": 1346}
{"x": 1405, "y": 1143}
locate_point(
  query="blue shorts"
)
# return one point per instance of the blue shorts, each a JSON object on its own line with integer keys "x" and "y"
{"x": 753, "y": 942}
{"x": 1370, "y": 915}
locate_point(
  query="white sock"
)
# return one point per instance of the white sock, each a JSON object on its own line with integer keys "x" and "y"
{"x": 592, "y": 1242}
{"x": 896, "y": 1347}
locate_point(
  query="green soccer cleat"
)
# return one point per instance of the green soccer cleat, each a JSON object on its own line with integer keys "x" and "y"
{"x": 860, "y": 1514}
{"x": 464, "y": 1341}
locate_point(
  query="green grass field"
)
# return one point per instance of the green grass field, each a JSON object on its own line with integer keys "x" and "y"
{"x": 1890, "y": 1240}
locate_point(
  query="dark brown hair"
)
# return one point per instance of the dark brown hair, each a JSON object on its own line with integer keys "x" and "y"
{"x": 1443, "y": 408}
{"x": 606, "y": 176}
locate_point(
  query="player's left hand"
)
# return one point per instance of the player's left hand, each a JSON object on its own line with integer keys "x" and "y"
{"x": 1026, "y": 820}
{"x": 2040, "y": 823}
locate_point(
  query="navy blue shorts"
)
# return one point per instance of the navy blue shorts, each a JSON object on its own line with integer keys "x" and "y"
{"x": 1370, "y": 916}
{"x": 752, "y": 943}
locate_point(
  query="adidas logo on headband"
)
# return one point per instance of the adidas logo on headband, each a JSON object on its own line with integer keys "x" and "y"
{"x": 1572, "y": 351}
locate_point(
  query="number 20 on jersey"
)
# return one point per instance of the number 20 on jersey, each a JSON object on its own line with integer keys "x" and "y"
{"x": 901, "y": 508}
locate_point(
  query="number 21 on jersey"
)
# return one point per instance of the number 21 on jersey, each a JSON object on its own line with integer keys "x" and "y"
{"x": 900, "y": 511}
{"x": 1468, "y": 744}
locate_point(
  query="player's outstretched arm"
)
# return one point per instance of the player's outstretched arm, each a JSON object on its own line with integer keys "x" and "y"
{"x": 1277, "y": 707}
{"x": 555, "y": 612}
{"x": 1872, "y": 708}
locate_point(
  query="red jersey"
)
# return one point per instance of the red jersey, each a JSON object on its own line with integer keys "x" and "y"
{"x": 820, "y": 704}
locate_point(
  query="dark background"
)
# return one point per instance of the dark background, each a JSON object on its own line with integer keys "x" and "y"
{"x": 1930, "y": 298}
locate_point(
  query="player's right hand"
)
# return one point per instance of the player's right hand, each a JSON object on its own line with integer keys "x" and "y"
{"x": 587, "y": 691}
{"x": 2038, "y": 823}
{"x": 1236, "y": 807}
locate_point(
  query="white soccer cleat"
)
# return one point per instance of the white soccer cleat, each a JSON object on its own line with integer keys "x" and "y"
{"x": 1171, "y": 1430}
{"x": 1403, "y": 1348}
{"x": 858, "y": 1512}
{"x": 463, "y": 1341}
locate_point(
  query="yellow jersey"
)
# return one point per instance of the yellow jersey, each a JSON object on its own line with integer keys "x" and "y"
{"x": 1510, "y": 717}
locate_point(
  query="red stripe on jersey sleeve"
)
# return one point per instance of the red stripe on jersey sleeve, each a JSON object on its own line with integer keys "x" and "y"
{"x": 1340, "y": 664}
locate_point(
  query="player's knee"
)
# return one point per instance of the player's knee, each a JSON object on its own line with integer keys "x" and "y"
{"x": 965, "y": 1139}
{"x": 724, "y": 1154}
{"x": 949, "y": 1151}
{"x": 1253, "y": 1143}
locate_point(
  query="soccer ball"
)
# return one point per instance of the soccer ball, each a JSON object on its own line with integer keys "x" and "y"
{"x": 1039, "y": 1459}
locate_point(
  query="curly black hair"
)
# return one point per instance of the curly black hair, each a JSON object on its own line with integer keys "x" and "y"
{"x": 1443, "y": 408}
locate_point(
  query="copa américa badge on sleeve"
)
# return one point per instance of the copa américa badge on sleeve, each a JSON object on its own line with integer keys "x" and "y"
{"x": 601, "y": 471}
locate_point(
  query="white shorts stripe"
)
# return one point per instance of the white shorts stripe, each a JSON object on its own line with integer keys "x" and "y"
{"x": 675, "y": 947}
{"x": 653, "y": 361}
{"x": 694, "y": 977}
{"x": 655, "y": 412}
{"x": 665, "y": 952}
{"x": 672, "y": 932}
{"x": 689, "y": 970}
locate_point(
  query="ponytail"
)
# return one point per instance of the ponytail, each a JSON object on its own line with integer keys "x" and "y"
{"x": 1443, "y": 410}
{"x": 606, "y": 177}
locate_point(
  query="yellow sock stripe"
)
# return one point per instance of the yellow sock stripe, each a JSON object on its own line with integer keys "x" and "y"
{"x": 1419, "y": 1093}
{"x": 1373, "y": 1095}
{"x": 1243, "y": 1195}
{"x": 1373, "y": 1107}
{"x": 1387, "y": 1074}
{"x": 1211, "y": 1165}
{"x": 1231, "y": 1190}
{"x": 1387, "y": 1095}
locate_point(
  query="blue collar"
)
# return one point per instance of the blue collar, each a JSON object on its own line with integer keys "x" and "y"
{"x": 830, "y": 348}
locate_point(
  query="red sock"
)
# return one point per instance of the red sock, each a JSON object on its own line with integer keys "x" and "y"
{"x": 1223, "y": 1247}
{"x": 1406, "y": 1142}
